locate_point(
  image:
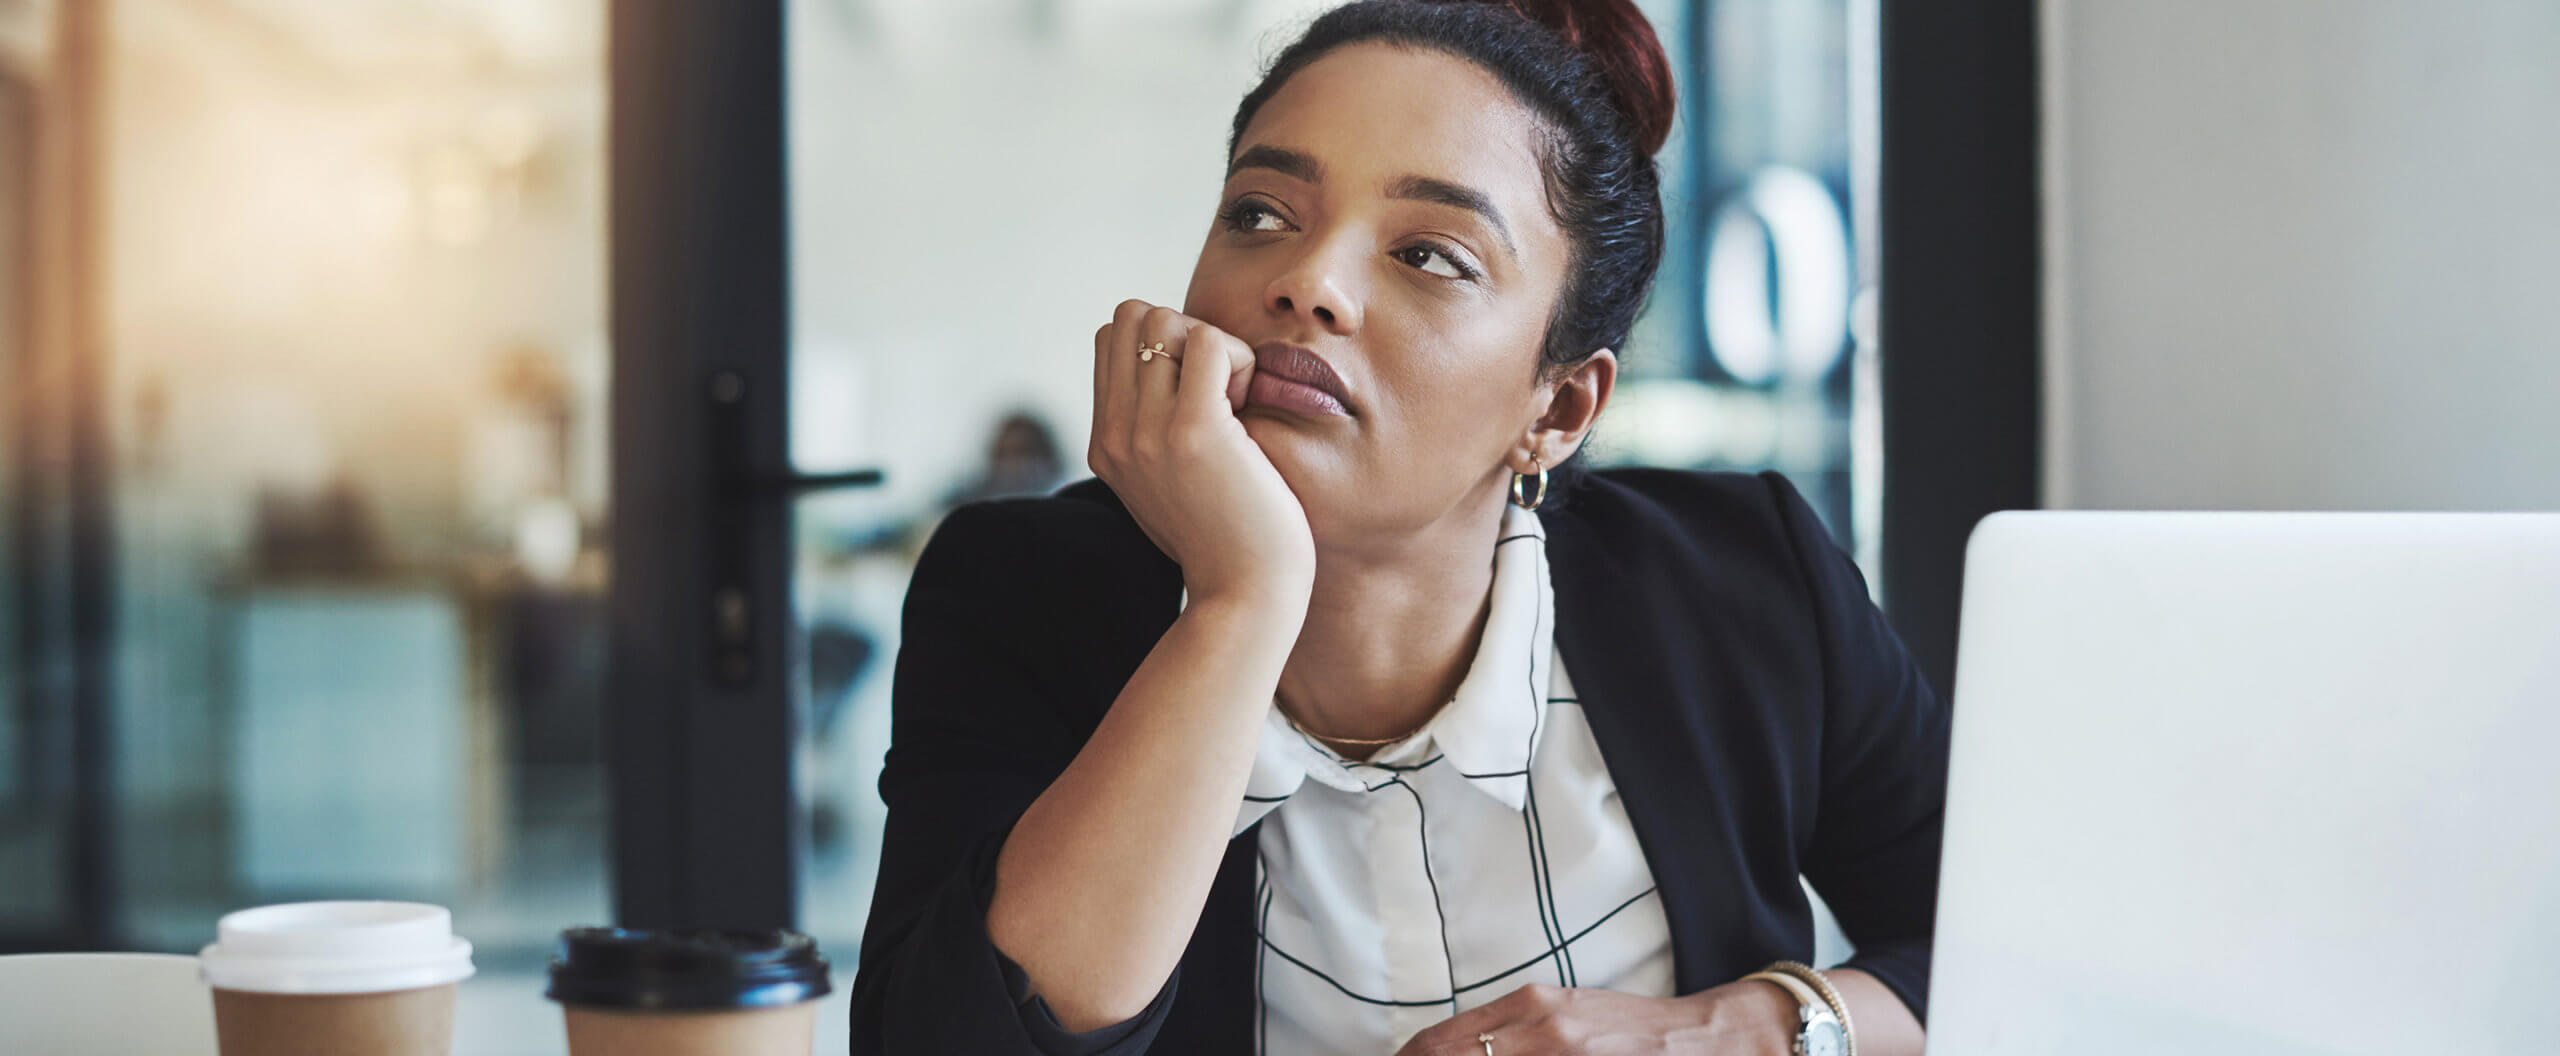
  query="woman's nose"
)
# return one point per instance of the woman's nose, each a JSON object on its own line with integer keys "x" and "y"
{"x": 1313, "y": 287}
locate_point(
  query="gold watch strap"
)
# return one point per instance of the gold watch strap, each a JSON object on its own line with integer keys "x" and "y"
{"x": 1804, "y": 994}
{"x": 1814, "y": 980}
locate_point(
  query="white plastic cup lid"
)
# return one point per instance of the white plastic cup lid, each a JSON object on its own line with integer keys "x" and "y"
{"x": 335, "y": 948}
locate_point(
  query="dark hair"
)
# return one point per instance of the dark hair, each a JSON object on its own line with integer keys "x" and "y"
{"x": 1596, "y": 77}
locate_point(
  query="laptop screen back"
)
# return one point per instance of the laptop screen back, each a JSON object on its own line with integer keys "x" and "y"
{"x": 2254, "y": 783}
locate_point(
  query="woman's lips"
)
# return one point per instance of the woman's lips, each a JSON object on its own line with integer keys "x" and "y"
{"x": 1279, "y": 393}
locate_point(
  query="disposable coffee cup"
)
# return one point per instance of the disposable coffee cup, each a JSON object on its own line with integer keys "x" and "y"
{"x": 340, "y": 978}
{"x": 688, "y": 992}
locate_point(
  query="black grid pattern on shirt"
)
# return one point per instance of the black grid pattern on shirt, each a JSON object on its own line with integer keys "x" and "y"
{"x": 1261, "y": 923}
{"x": 1270, "y": 947}
{"x": 1550, "y": 919}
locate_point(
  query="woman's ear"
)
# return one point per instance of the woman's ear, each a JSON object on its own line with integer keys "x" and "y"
{"x": 1573, "y": 406}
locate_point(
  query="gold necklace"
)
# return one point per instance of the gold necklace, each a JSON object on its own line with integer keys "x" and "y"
{"x": 1406, "y": 736}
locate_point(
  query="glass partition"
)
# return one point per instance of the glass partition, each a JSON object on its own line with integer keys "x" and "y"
{"x": 343, "y": 293}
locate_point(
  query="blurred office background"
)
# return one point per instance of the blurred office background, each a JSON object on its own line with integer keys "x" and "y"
{"x": 306, "y": 364}
{"x": 317, "y": 392}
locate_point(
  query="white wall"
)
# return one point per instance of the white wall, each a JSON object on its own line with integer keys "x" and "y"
{"x": 2302, "y": 253}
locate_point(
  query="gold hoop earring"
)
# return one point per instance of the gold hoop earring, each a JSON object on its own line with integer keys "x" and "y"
{"x": 1520, "y": 485}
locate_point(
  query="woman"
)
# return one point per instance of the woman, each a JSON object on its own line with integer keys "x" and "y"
{"x": 1344, "y": 713}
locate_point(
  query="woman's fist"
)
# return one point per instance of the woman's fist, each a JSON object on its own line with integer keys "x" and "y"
{"x": 1166, "y": 438}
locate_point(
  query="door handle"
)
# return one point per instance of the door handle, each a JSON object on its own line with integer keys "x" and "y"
{"x": 793, "y": 485}
{"x": 748, "y": 496}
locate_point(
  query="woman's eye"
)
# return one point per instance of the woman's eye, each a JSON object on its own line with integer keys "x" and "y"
{"x": 1248, "y": 215}
{"x": 1421, "y": 255}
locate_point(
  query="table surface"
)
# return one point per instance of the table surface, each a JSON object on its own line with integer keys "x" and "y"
{"x": 102, "y": 1004}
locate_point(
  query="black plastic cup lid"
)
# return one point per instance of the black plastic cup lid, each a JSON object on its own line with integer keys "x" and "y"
{"x": 685, "y": 968}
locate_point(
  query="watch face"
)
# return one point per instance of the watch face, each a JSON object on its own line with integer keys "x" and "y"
{"x": 1822, "y": 1039}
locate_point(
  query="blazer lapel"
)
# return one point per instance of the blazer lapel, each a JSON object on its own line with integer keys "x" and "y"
{"x": 1617, "y": 630}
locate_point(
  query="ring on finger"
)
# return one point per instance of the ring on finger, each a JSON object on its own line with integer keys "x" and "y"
{"x": 1487, "y": 1041}
{"x": 1151, "y": 351}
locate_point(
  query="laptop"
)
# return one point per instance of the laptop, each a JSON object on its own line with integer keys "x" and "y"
{"x": 2254, "y": 783}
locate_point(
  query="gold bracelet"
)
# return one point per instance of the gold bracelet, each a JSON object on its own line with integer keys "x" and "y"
{"x": 1804, "y": 994}
{"x": 1810, "y": 977}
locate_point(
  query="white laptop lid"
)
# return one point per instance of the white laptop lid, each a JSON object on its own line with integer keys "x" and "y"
{"x": 2254, "y": 783}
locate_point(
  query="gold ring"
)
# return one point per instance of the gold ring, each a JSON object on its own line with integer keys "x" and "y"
{"x": 1487, "y": 1040}
{"x": 1148, "y": 352}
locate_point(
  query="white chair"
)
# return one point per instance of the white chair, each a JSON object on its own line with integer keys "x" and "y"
{"x": 97, "y": 1004}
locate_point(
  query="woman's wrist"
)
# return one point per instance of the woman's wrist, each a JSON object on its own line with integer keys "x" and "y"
{"x": 1261, "y": 622}
{"x": 1735, "y": 1014}
{"x": 1280, "y": 597}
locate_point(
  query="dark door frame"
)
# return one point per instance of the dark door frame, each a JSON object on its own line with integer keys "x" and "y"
{"x": 1959, "y": 298}
{"x": 699, "y": 731}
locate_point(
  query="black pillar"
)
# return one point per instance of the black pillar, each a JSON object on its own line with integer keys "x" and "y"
{"x": 1960, "y": 314}
{"x": 698, "y": 722}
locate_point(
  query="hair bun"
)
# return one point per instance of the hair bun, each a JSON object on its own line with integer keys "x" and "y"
{"x": 1621, "y": 41}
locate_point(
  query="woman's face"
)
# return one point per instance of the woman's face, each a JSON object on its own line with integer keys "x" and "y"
{"x": 1385, "y": 209}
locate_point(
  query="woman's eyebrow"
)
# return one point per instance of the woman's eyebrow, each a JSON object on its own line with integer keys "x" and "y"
{"x": 1443, "y": 192}
{"x": 1305, "y": 168}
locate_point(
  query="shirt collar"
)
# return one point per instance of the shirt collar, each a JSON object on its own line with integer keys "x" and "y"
{"x": 1488, "y": 732}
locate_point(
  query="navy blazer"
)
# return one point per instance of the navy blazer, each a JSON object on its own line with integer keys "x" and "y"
{"x": 1759, "y": 718}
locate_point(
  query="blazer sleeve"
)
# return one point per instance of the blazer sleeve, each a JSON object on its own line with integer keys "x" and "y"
{"x": 1883, "y": 789}
{"x": 979, "y": 728}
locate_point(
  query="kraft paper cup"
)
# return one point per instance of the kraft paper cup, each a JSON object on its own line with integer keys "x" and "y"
{"x": 688, "y": 992}
{"x": 341, "y": 978}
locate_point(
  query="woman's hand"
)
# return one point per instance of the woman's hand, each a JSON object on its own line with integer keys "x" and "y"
{"x": 1166, "y": 438}
{"x": 1746, "y": 1018}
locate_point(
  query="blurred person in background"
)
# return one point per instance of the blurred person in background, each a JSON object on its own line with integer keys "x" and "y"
{"x": 1022, "y": 459}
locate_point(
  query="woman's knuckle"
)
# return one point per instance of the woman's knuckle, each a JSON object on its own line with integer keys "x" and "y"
{"x": 1163, "y": 322}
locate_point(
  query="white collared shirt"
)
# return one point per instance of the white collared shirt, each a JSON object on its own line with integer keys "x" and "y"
{"x": 1486, "y": 853}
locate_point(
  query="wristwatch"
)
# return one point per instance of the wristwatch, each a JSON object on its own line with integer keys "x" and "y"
{"x": 1818, "y": 1032}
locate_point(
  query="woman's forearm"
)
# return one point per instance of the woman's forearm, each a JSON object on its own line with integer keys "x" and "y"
{"x": 1102, "y": 880}
{"x": 1885, "y": 1027}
